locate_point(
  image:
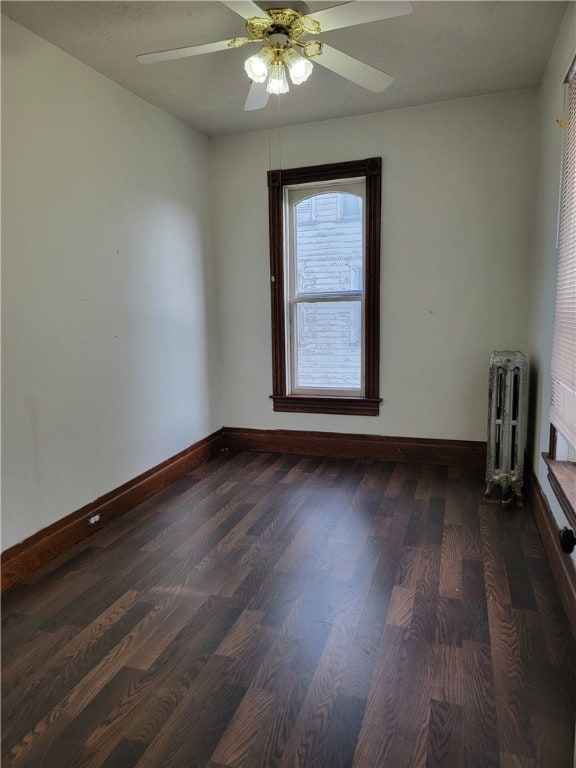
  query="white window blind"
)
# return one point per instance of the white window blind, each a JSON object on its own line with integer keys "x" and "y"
{"x": 563, "y": 371}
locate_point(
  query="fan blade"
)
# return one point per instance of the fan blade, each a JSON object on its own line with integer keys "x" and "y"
{"x": 257, "y": 97}
{"x": 352, "y": 69}
{"x": 245, "y": 8}
{"x": 359, "y": 12}
{"x": 182, "y": 53}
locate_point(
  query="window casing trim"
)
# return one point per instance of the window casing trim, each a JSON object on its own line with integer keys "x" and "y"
{"x": 368, "y": 404}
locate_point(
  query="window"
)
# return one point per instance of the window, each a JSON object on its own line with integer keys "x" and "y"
{"x": 563, "y": 412}
{"x": 325, "y": 283}
{"x": 563, "y": 370}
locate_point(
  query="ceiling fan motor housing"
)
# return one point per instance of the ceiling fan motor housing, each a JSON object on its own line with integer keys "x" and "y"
{"x": 282, "y": 21}
{"x": 279, "y": 39}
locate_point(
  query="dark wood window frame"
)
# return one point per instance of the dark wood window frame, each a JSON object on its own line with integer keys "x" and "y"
{"x": 369, "y": 403}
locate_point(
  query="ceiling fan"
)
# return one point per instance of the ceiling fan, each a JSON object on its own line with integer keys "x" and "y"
{"x": 284, "y": 34}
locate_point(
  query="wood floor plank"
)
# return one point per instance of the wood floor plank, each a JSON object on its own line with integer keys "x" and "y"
{"x": 125, "y": 755}
{"x": 553, "y": 742}
{"x": 448, "y": 681}
{"x": 475, "y": 624}
{"x": 473, "y": 584}
{"x": 515, "y": 761}
{"x": 551, "y": 693}
{"x": 452, "y": 510}
{"x": 444, "y": 735}
{"x": 153, "y": 703}
{"x": 401, "y": 605}
{"x": 242, "y": 634}
{"x": 113, "y": 697}
{"x": 88, "y": 605}
{"x": 68, "y": 756}
{"x": 559, "y": 639}
{"x": 496, "y": 578}
{"x": 83, "y": 693}
{"x": 296, "y": 647}
{"x": 57, "y": 589}
{"x": 428, "y": 580}
{"x": 451, "y": 562}
{"x": 295, "y": 612}
{"x": 246, "y": 645}
{"x": 390, "y": 549}
{"x": 22, "y": 669}
{"x": 423, "y": 624}
{"x": 71, "y": 665}
{"x": 334, "y": 743}
{"x": 408, "y": 568}
{"x": 376, "y": 737}
{"x": 166, "y": 622}
{"x": 449, "y": 620}
{"x": 519, "y": 582}
{"x": 510, "y": 683}
{"x": 470, "y": 531}
{"x": 37, "y": 612}
{"x": 246, "y": 726}
{"x": 365, "y": 649}
{"x": 70, "y": 700}
{"x": 481, "y": 744}
{"x": 531, "y": 638}
{"x": 324, "y": 700}
{"x": 207, "y": 714}
{"x": 410, "y": 744}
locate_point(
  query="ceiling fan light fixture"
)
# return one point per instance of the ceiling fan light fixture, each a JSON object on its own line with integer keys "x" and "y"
{"x": 304, "y": 25}
{"x": 299, "y": 68}
{"x": 277, "y": 82}
{"x": 257, "y": 66}
{"x": 238, "y": 42}
{"x": 312, "y": 48}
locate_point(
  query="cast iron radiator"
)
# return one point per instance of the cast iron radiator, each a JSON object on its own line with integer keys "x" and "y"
{"x": 506, "y": 426}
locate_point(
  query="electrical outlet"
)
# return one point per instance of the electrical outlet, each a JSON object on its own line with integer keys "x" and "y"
{"x": 93, "y": 519}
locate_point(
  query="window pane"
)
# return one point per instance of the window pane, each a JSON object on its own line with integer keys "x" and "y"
{"x": 328, "y": 352}
{"x": 329, "y": 244}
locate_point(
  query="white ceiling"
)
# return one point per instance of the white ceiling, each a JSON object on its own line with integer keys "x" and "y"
{"x": 443, "y": 50}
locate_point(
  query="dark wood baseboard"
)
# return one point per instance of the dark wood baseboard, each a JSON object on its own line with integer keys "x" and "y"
{"x": 561, "y": 564}
{"x": 21, "y": 560}
{"x": 455, "y": 453}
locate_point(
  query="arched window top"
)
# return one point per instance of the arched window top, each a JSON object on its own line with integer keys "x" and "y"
{"x": 313, "y": 207}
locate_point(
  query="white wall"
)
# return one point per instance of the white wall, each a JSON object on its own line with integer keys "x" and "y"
{"x": 109, "y": 345}
{"x": 552, "y": 105}
{"x": 458, "y": 204}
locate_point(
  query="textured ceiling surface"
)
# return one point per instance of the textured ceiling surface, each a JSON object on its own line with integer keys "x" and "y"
{"x": 442, "y": 50}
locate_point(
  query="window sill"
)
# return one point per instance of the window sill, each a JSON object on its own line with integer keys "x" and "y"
{"x": 351, "y": 406}
{"x": 562, "y": 477}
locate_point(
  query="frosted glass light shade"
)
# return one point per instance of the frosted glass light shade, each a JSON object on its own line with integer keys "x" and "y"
{"x": 299, "y": 68}
{"x": 277, "y": 82}
{"x": 257, "y": 66}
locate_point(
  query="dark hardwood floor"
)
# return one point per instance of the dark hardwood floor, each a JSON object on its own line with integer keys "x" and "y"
{"x": 287, "y": 611}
